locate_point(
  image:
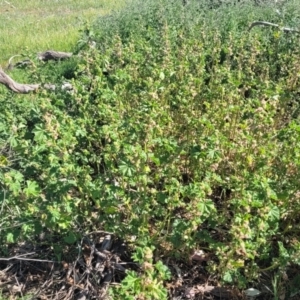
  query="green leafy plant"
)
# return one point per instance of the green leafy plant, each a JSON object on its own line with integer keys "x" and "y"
{"x": 182, "y": 130}
{"x": 146, "y": 284}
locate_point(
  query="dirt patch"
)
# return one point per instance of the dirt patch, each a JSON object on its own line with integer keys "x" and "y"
{"x": 86, "y": 272}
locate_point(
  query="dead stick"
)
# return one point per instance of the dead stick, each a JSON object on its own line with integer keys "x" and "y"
{"x": 26, "y": 259}
{"x": 21, "y": 257}
{"x": 53, "y": 55}
{"x": 26, "y": 88}
{"x": 264, "y": 23}
{"x": 17, "y": 87}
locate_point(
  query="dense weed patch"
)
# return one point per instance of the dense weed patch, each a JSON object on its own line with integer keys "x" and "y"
{"x": 182, "y": 133}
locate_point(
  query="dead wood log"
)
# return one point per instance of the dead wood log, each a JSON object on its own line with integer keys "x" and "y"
{"x": 263, "y": 23}
{"x": 53, "y": 55}
{"x": 43, "y": 56}
{"x": 16, "y": 87}
{"x": 26, "y": 88}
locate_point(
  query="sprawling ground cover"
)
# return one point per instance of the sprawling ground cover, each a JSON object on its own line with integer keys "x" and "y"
{"x": 181, "y": 135}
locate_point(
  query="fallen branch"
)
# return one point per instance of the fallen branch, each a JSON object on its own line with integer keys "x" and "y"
{"x": 15, "y": 86}
{"x": 43, "y": 56}
{"x": 53, "y": 55}
{"x": 26, "y": 88}
{"x": 21, "y": 257}
{"x": 263, "y": 23}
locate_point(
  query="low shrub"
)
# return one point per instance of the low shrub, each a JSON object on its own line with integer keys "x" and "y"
{"x": 182, "y": 133}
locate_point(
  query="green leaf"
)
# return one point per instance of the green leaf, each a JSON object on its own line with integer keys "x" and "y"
{"x": 131, "y": 279}
{"x": 10, "y": 238}
{"x": 228, "y": 277}
{"x": 39, "y": 135}
{"x": 13, "y": 141}
{"x": 126, "y": 169}
{"x": 70, "y": 238}
{"x": 161, "y": 75}
{"x": 18, "y": 176}
{"x": 206, "y": 207}
{"x": 274, "y": 214}
{"x": 32, "y": 188}
{"x": 15, "y": 187}
{"x": 3, "y": 161}
{"x": 110, "y": 210}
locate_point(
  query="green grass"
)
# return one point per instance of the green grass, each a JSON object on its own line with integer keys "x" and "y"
{"x": 38, "y": 25}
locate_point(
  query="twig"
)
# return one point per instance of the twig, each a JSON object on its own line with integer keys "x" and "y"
{"x": 264, "y": 23}
{"x": 19, "y": 286}
{"x": 20, "y": 257}
{"x": 99, "y": 231}
{"x": 45, "y": 283}
{"x": 3, "y": 201}
{"x": 10, "y": 64}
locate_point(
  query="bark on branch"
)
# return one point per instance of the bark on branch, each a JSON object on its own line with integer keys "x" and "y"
{"x": 15, "y": 86}
{"x": 26, "y": 88}
{"x": 263, "y": 23}
{"x": 53, "y": 55}
{"x": 43, "y": 56}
